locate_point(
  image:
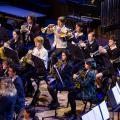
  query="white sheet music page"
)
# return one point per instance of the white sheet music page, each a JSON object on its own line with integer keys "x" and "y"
{"x": 91, "y": 115}
{"x": 85, "y": 117}
{"x": 104, "y": 110}
{"x": 97, "y": 113}
{"x": 116, "y": 94}
{"x": 118, "y": 87}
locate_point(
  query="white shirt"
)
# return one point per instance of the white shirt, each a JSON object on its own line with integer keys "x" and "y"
{"x": 42, "y": 54}
{"x": 58, "y": 42}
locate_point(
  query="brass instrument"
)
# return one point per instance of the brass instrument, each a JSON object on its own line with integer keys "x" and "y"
{"x": 80, "y": 75}
{"x": 117, "y": 60}
{"x": 51, "y": 28}
{"x": 97, "y": 52}
{"x": 27, "y": 58}
{"x": 2, "y": 55}
{"x": 54, "y": 72}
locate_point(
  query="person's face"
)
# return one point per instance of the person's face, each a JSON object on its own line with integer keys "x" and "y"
{"x": 38, "y": 45}
{"x": 15, "y": 36}
{"x": 5, "y": 65}
{"x": 91, "y": 37}
{"x": 29, "y": 20}
{"x": 11, "y": 73}
{"x": 87, "y": 66}
{"x": 60, "y": 24}
{"x": 77, "y": 28}
{"x": 111, "y": 42}
{"x": 64, "y": 57}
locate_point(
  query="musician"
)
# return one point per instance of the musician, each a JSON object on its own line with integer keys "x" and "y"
{"x": 39, "y": 50}
{"x": 78, "y": 34}
{"x": 30, "y": 30}
{"x": 13, "y": 74}
{"x": 111, "y": 58}
{"x": 8, "y": 95}
{"x": 91, "y": 46}
{"x": 30, "y": 71}
{"x": 3, "y": 34}
{"x": 65, "y": 71}
{"x": 16, "y": 43}
{"x": 4, "y": 69}
{"x": 87, "y": 90}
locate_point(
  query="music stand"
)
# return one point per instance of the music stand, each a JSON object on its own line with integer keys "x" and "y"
{"x": 114, "y": 98}
{"x": 12, "y": 54}
{"x": 39, "y": 65}
{"x": 41, "y": 73}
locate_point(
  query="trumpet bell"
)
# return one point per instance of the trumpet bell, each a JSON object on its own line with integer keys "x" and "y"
{"x": 43, "y": 30}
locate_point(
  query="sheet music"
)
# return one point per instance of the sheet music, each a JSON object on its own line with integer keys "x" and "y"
{"x": 116, "y": 94}
{"x": 104, "y": 110}
{"x": 118, "y": 87}
{"x": 91, "y": 115}
{"x": 97, "y": 113}
{"x": 85, "y": 117}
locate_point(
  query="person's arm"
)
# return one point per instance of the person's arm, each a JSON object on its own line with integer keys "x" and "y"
{"x": 87, "y": 79}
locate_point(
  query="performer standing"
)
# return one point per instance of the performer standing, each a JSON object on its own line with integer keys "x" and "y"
{"x": 30, "y": 30}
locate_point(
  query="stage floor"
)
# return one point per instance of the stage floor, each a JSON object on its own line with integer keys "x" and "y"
{"x": 44, "y": 112}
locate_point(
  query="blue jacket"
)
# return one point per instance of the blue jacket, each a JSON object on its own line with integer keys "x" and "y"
{"x": 87, "y": 86}
{"x": 20, "y": 102}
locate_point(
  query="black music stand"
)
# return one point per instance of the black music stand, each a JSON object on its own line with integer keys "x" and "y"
{"x": 39, "y": 65}
{"x": 40, "y": 75}
{"x": 12, "y": 54}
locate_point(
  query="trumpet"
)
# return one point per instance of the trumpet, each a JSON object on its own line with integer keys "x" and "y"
{"x": 49, "y": 29}
{"x": 80, "y": 74}
{"x": 98, "y": 52}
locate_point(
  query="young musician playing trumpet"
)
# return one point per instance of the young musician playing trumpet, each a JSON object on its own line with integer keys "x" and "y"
{"x": 87, "y": 89}
{"x": 111, "y": 58}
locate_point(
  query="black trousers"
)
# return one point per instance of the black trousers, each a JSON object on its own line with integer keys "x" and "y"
{"x": 71, "y": 98}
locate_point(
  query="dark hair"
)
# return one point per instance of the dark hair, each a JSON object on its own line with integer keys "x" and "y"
{"x": 15, "y": 68}
{"x": 67, "y": 54}
{"x": 91, "y": 62}
{"x": 112, "y": 37}
{"x": 17, "y": 31}
{"x": 79, "y": 24}
{"x": 32, "y": 18}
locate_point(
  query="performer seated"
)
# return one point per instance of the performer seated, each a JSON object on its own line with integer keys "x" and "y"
{"x": 13, "y": 74}
{"x": 87, "y": 90}
{"x": 112, "y": 60}
{"x": 8, "y": 97}
{"x": 16, "y": 43}
{"x": 78, "y": 34}
{"x": 30, "y": 71}
{"x": 65, "y": 70}
{"x": 91, "y": 46}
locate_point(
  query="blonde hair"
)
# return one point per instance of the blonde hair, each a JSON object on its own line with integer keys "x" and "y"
{"x": 39, "y": 39}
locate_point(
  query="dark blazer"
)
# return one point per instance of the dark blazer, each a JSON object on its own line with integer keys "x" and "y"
{"x": 35, "y": 31}
{"x": 91, "y": 48}
{"x": 20, "y": 103}
{"x": 66, "y": 74}
{"x": 17, "y": 46}
{"x": 3, "y": 34}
